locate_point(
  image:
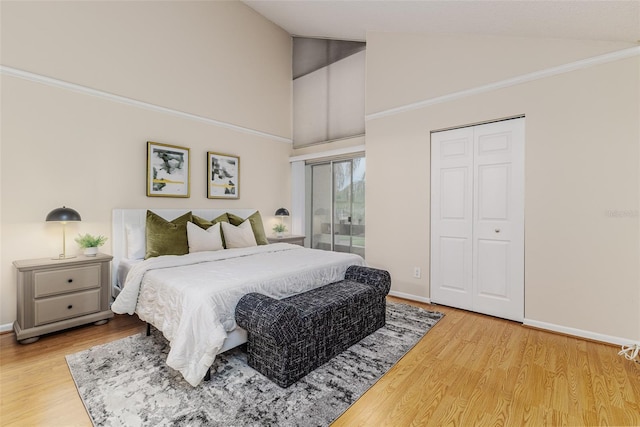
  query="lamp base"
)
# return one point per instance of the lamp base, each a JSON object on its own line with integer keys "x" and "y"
{"x": 63, "y": 257}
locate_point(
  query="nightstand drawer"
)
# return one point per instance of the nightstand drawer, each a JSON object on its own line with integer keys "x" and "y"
{"x": 66, "y": 306}
{"x": 54, "y": 282}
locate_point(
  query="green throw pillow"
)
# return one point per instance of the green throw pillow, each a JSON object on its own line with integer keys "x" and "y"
{"x": 256, "y": 225}
{"x": 166, "y": 238}
{"x": 205, "y": 223}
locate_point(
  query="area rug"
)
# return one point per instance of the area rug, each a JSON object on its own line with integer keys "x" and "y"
{"x": 127, "y": 383}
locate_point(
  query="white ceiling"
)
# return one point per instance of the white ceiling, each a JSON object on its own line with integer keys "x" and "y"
{"x": 606, "y": 20}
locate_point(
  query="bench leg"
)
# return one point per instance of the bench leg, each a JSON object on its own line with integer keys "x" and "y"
{"x": 148, "y": 329}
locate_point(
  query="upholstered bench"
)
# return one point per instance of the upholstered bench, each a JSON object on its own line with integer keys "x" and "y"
{"x": 289, "y": 338}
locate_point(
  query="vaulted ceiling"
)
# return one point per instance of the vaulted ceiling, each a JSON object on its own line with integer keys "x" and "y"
{"x": 351, "y": 20}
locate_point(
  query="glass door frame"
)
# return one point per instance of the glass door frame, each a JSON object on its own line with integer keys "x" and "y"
{"x": 334, "y": 220}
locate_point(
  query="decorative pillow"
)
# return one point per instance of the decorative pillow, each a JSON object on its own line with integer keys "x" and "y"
{"x": 205, "y": 223}
{"x": 256, "y": 225}
{"x": 166, "y": 238}
{"x": 135, "y": 242}
{"x": 204, "y": 240}
{"x": 238, "y": 237}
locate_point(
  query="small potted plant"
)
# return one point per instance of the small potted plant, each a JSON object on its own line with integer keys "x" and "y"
{"x": 279, "y": 229}
{"x": 90, "y": 243}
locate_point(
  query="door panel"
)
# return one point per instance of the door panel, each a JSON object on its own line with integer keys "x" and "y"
{"x": 455, "y": 147}
{"x": 493, "y": 265}
{"x": 493, "y": 192}
{"x": 477, "y": 218}
{"x": 454, "y": 194}
{"x": 498, "y": 227}
{"x": 321, "y": 224}
{"x": 342, "y": 179}
{"x": 452, "y": 262}
{"x": 494, "y": 142}
{"x": 451, "y": 218}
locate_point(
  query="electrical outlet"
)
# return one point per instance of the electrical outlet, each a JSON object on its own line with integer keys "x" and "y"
{"x": 416, "y": 272}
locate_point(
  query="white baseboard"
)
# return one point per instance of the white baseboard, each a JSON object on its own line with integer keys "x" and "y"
{"x": 578, "y": 332}
{"x": 594, "y": 336}
{"x": 410, "y": 297}
{"x": 527, "y": 322}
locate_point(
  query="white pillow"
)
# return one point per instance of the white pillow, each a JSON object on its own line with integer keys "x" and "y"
{"x": 204, "y": 240}
{"x": 240, "y": 236}
{"x": 136, "y": 242}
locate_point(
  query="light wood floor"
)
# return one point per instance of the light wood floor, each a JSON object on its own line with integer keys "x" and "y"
{"x": 469, "y": 370}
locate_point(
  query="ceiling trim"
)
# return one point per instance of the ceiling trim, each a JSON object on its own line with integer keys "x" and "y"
{"x": 537, "y": 75}
{"x": 50, "y": 81}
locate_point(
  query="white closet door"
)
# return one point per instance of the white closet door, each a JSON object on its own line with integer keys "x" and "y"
{"x": 451, "y": 217}
{"x": 498, "y": 224}
{"x": 477, "y": 218}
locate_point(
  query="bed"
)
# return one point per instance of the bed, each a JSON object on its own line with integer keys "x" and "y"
{"x": 191, "y": 298}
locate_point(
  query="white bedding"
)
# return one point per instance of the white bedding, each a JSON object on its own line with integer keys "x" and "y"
{"x": 124, "y": 266}
{"x": 192, "y": 298}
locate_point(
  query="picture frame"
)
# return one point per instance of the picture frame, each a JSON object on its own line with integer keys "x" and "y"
{"x": 223, "y": 176}
{"x": 168, "y": 170}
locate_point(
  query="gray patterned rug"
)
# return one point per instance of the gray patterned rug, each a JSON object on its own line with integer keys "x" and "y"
{"x": 127, "y": 383}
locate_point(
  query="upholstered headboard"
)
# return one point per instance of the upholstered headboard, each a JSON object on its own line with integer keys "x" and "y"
{"x": 137, "y": 217}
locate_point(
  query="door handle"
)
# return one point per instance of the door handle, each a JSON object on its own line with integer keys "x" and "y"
{"x": 497, "y": 230}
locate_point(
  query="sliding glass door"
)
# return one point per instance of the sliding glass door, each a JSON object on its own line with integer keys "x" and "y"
{"x": 337, "y": 205}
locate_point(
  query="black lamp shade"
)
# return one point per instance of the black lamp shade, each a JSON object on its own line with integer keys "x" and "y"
{"x": 63, "y": 214}
{"x": 282, "y": 212}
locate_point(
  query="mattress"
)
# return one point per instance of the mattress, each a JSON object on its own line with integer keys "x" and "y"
{"x": 191, "y": 298}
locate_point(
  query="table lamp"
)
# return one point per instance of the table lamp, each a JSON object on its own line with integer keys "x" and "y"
{"x": 282, "y": 212}
{"x": 63, "y": 215}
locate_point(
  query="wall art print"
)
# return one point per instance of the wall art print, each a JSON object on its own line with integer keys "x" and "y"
{"x": 223, "y": 176}
{"x": 168, "y": 170}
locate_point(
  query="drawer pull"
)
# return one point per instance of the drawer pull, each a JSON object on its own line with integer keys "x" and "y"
{"x": 70, "y": 306}
{"x": 70, "y": 281}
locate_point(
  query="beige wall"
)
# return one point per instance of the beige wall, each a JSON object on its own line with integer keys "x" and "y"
{"x": 582, "y": 152}
{"x": 405, "y": 67}
{"x": 222, "y": 61}
{"x": 218, "y": 60}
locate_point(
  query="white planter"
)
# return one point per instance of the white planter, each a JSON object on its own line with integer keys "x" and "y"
{"x": 91, "y": 251}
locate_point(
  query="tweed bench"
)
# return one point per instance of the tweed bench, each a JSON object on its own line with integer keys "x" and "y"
{"x": 291, "y": 337}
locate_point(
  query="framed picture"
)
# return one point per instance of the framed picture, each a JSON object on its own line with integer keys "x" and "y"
{"x": 168, "y": 170}
{"x": 223, "y": 176}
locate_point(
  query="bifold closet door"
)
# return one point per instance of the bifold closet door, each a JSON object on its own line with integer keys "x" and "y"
{"x": 477, "y": 218}
{"x": 452, "y": 217}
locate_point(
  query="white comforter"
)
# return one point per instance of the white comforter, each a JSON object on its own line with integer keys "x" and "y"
{"x": 192, "y": 298}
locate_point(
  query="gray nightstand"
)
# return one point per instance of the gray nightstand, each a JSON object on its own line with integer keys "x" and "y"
{"x": 59, "y": 294}
{"x": 291, "y": 238}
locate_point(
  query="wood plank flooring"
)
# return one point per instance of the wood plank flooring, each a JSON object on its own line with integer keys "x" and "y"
{"x": 468, "y": 370}
{"x": 36, "y": 388}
